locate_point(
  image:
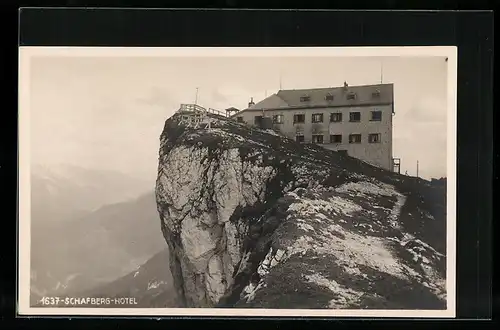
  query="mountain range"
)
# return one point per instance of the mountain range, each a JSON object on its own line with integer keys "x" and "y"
{"x": 65, "y": 192}
{"x": 89, "y": 228}
{"x": 150, "y": 285}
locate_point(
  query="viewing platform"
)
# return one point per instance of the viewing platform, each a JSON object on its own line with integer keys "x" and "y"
{"x": 194, "y": 108}
{"x": 196, "y": 116}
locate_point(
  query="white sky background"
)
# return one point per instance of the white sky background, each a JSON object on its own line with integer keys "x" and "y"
{"x": 108, "y": 113}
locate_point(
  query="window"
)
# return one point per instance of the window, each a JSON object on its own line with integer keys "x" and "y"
{"x": 376, "y": 94}
{"x": 299, "y": 138}
{"x": 316, "y": 138}
{"x": 336, "y": 117}
{"x": 329, "y": 97}
{"x": 239, "y": 119}
{"x": 374, "y": 138}
{"x": 299, "y": 119}
{"x": 351, "y": 96}
{"x": 376, "y": 116}
{"x": 278, "y": 119}
{"x": 317, "y": 118}
{"x": 257, "y": 120}
{"x": 355, "y": 116}
{"x": 354, "y": 138}
{"x": 336, "y": 138}
{"x": 306, "y": 98}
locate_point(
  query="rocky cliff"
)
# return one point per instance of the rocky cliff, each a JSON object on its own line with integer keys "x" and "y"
{"x": 254, "y": 219}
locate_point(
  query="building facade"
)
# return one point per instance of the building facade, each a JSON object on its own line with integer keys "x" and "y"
{"x": 352, "y": 119}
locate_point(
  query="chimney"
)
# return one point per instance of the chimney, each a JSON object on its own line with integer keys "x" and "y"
{"x": 345, "y": 85}
{"x": 251, "y": 102}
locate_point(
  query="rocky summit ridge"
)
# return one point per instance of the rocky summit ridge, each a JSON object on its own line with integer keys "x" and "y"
{"x": 254, "y": 219}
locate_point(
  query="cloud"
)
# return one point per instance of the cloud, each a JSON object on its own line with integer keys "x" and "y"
{"x": 110, "y": 111}
{"x": 218, "y": 97}
{"x": 428, "y": 110}
{"x": 158, "y": 96}
{"x": 420, "y": 132}
{"x": 226, "y": 96}
{"x": 423, "y": 143}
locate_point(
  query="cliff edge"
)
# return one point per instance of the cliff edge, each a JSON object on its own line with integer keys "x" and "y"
{"x": 253, "y": 219}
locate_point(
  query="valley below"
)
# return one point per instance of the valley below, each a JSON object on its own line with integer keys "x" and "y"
{"x": 84, "y": 248}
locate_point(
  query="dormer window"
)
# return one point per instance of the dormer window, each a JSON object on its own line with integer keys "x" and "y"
{"x": 305, "y": 98}
{"x": 376, "y": 94}
{"x": 351, "y": 96}
{"x": 329, "y": 97}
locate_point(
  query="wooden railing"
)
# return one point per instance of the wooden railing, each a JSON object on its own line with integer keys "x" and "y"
{"x": 192, "y": 107}
{"x": 197, "y": 108}
{"x": 217, "y": 112}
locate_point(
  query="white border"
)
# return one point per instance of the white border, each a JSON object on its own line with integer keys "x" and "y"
{"x": 25, "y": 54}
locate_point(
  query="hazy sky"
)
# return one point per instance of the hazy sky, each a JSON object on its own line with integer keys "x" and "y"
{"x": 109, "y": 112}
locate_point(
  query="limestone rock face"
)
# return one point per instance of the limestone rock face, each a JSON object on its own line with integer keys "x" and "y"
{"x": 254, "y": 219}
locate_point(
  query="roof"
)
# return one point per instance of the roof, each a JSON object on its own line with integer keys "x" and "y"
{"x": 293, "y": 98}
{"x": 317, "y": 95}
{"x": 271, "y": 102}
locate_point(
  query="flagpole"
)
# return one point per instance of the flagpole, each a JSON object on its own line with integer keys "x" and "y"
{"x": 381, "y": 72}
{"x": 280, "y": 79}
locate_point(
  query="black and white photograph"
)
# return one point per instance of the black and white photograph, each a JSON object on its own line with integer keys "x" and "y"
{"x": 237, "y": 181}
